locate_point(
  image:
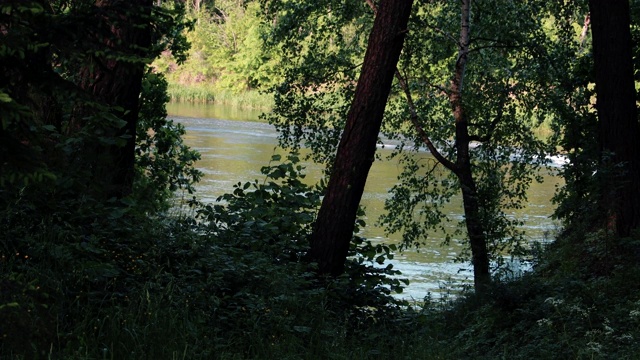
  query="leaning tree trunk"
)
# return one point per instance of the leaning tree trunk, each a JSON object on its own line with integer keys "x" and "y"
{"x": 116, "y": 79}
{"x": 617, "y": 114}
{"x": 333, "y": 229}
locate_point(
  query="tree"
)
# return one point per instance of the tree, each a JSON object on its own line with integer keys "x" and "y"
{"x": 73, "y": 95}
{"x": 333, "y": 229}
{"x": 116, "y": 80}
{"x": 462, "y": 165}
{"x": 471, "y": 99}
{"x": 476, "y": 113}
{"x": 618, "y": 122}
{"x": 227, "y": 50}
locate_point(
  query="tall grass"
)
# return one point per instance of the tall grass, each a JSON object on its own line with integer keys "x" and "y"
{"x": 208, "y": 93}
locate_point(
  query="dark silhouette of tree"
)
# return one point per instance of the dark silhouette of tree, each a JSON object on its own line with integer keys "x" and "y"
{"x": 617, "y": 114}
{"x": 73, "y": 73}
{"x": 116, "y": 79}
{"x": 334, "y": 226}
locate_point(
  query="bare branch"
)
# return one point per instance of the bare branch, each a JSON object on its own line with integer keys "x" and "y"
{"x": 372, "y": 6}
{"x": 495, "y": 46}
{"x": 585, "y": 28}
{"x": 416, "y": 124}
{"x": 444, "y": 33}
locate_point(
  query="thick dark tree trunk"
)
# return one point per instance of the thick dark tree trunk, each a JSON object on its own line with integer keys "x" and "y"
{"x": 334, "y": 226}
{"x": 617, "y": 114}
{"x": 118, "y": 82}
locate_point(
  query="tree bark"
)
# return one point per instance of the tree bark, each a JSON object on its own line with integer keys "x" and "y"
{"x": 475, "y": 229}
{"x": 333, "y": 229}
{"x": 118, "y": 82}
{"x": 617, "y": 114}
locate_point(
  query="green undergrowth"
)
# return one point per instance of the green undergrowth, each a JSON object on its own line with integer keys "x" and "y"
{"x": 87, "y": 277}
{"x": 220, "y": 281}
{"x": 581, "y": 302}
{"x": 229, "y": 281}
{"x": 210, "y": 94}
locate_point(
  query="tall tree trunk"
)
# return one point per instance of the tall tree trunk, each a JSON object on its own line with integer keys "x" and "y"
{"x": 475, "y": 229}
{"x": 617, "y": 114}
{"x": 118, "y": 82}
{"x": 334, "y": 226}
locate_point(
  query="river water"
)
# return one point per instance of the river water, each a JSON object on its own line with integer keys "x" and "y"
{"x": 234, "y": 145}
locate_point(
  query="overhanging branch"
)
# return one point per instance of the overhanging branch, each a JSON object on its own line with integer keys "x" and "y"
{"x": 416, "y": 124}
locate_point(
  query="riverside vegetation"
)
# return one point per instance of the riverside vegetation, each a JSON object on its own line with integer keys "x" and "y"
{"x": 95, "y": 266}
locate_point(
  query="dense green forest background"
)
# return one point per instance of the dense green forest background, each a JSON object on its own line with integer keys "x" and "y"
{"x": 106, "y": 252}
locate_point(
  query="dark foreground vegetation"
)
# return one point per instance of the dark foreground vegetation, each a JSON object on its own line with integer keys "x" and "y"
{"x": 105, "y": 253}
{"x": 116, "y": 282}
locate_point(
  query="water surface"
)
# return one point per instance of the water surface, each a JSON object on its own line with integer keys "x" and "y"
{"x": 235, "y": 145}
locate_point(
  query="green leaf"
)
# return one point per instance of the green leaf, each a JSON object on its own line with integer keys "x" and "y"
{"x": 9, "y": 305}
{"x": 302, "y": 329}
{"x": 5, "y": 98}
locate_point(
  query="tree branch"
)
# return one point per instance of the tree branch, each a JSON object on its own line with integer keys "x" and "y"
{"x": 585, "y": 28}
{"x": 492, "y": 126}
{"x": 414, "y": 114}
{"x": 416, "y": 124}
{"x": 444, "y": 33}
{"x": 494, "y": 46}
{"x": 372, "y": 6}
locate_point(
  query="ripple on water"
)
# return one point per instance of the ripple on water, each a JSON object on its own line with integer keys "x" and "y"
{"x": 431, "y": 279}
{"x": 234, "y": 151}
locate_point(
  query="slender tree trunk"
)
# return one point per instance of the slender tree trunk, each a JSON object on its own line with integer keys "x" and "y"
{"x": 334, "y": 226}
{"x": 475, "y": 229}
{"x": 617, "y": 114}
{"x": 462, "y": 166}
{"x": 118, "y": 82}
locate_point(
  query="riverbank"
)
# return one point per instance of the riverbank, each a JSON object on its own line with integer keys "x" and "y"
{"x": 210, "y": 94}
{"x": 204, "y": 93}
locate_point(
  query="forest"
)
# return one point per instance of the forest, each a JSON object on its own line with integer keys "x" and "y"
{"x": 107, "y": 251}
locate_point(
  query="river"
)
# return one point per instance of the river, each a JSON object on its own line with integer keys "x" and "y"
{"x": 234, "y": 145}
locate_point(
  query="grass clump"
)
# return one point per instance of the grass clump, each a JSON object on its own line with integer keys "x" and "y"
{"x": 210, "y": 94}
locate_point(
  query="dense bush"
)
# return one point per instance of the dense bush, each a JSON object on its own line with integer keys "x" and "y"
{"x": 230, "y": 278}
